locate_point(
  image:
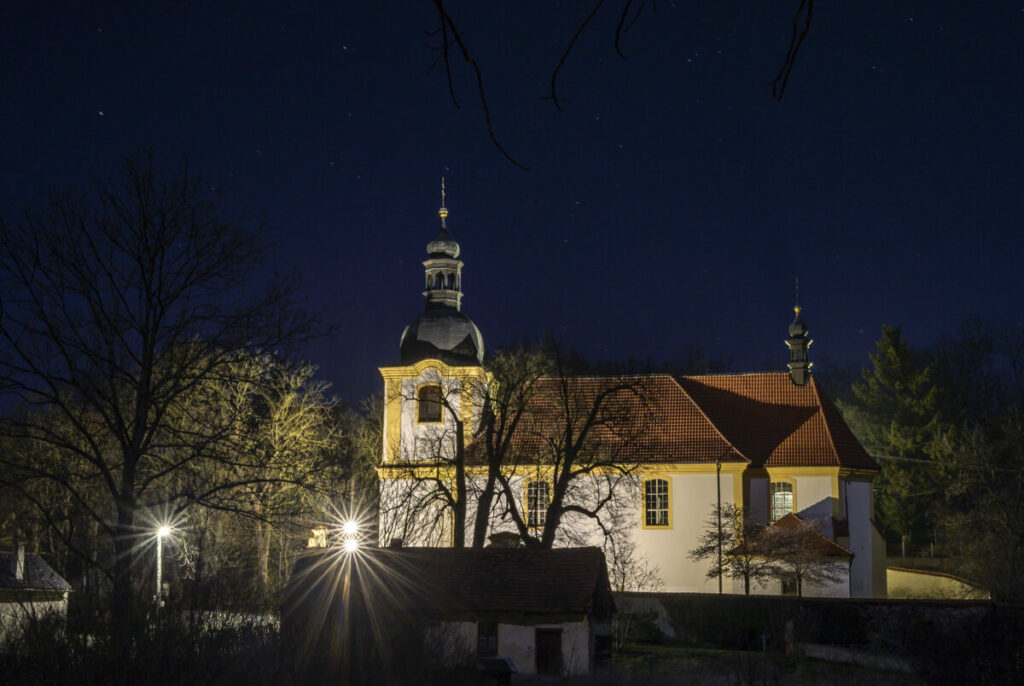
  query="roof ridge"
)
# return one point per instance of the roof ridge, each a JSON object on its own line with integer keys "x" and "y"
{"x": 720, "y": 374}
{"x": 710, "y": 422}
{"x": 648, "y": 375}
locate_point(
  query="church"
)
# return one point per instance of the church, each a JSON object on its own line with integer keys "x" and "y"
{"x": 769, "y": 443}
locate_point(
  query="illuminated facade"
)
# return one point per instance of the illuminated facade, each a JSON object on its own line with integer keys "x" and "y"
{"x": 770, "y": 443}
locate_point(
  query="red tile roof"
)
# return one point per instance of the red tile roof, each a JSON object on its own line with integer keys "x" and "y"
{"x": 773, "y": 422}
{"x": 764, "y": 419}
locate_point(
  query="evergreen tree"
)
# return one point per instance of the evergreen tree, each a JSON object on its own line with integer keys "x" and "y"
{"x": 898, "y": 414}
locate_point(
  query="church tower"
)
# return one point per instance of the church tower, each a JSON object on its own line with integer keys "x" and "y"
{"x": 436, "y": 391}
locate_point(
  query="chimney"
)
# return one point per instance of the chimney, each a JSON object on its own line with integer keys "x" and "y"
{"x": 18, "y": 561}
{"x": 396, "y": 543}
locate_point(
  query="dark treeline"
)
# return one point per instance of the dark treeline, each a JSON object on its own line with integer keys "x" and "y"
{"x": 145, "y": 382}
{"x": 946, "y": 424}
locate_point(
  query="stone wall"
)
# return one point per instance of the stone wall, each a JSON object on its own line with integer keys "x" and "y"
{"x": 944, "y": 640}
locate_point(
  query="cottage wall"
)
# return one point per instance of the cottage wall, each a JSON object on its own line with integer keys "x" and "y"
{"x": 517, "y": 642}
{"x": 18, "y": 607}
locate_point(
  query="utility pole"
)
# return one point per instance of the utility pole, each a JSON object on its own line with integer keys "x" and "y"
{"x": 718, "y": 510}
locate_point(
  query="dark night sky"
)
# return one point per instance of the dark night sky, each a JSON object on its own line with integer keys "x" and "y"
{"x": 673, "y": 203}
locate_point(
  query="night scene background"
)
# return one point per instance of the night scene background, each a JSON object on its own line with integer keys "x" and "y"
{"x": 673, "y": 202}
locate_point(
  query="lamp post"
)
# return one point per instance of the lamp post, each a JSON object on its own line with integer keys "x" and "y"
{"x": 161, "y": 533}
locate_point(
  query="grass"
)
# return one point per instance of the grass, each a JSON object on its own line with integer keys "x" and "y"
{"x": 658, "y": 665}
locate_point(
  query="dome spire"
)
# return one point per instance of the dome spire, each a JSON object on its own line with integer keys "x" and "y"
{"x": 443, "y": 211}
{"x": 798, "y": 343}
{"x": 443, "y": 267}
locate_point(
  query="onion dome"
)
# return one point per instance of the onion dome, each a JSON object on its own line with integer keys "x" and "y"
{"x": 447, "y": 335}
{"x": 797, "y": 328}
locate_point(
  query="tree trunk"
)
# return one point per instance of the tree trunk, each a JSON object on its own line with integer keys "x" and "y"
{"x": 483, "y": 512}
{"x": 459, "y": 506}
{"x": 262, "y": 561}
{"x": 123, "y": 601}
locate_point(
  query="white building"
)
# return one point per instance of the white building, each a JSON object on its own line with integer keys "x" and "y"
{"x": 771, "y": 443}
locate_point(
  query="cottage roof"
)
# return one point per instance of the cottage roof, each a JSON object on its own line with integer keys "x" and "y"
{"x": 459, "y": 582}
{"x": 763, "y": 419}
{"x": 37, "y": 576}
{"x": 819, "y": 542}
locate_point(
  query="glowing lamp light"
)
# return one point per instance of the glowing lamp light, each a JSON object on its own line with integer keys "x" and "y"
{"x": 350, "y": 528}
{"x": 163, "y": 531}
{"x": 351, "y": 545}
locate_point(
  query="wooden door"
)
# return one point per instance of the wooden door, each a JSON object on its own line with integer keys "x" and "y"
{"x": 548, "y": 643}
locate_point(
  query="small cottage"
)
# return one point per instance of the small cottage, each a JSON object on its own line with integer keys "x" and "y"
{"x": 546, "y": 611}
{"x": 29, "y": 589}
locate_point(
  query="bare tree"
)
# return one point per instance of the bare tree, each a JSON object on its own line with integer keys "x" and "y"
{"x": 453, "y": 45}
{"x": 116, "y": 309}
{"x": 428, "y": 489}
{"x": 571, "y": 470}
{"x": 736, "y": 546}
{"x": 555, "y": 456}
{"x": 800, "y": 553}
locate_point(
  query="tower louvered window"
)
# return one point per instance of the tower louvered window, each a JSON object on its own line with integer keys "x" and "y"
{"x": 429, "y": 404}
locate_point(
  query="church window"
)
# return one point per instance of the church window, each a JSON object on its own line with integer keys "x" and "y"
{"x": 538, "y": 497}
{"x": 486, "y": 639}
{"x": 656, "y": 500}
{"x": 782, "y": 499}
{"x": 429, "y": 404}
{"x": 438, "y": 281}
{"x": 451, "y": 281}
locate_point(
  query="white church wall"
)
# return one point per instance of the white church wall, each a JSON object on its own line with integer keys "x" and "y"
{"x": 837, "y": 589}
{"x": 757, "y": 499}
{"x": 814, "y": 497}
{"x": 409, "y": 512}
{"x": 692, "y": 498}
{"x": 424, "y": 441}
{"x": 867, "y": 573}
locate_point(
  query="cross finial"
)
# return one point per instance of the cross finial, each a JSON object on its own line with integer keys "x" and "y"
{"x": 443, "y": 212}
{"x": 797, "y": 306}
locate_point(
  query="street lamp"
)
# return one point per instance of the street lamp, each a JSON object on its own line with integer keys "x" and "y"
{"x": 161, "y": 533}
{"x": 350, "y": 529}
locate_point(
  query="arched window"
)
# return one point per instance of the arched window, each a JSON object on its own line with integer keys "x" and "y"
{"x": 538, "y": 497}
{"x": 451, "y": 281}
{"x": 438, "y": 281}
{"x": 428, "y": 404}
{"x": 656, "y": 502}
{"x": 782, "y": 499}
